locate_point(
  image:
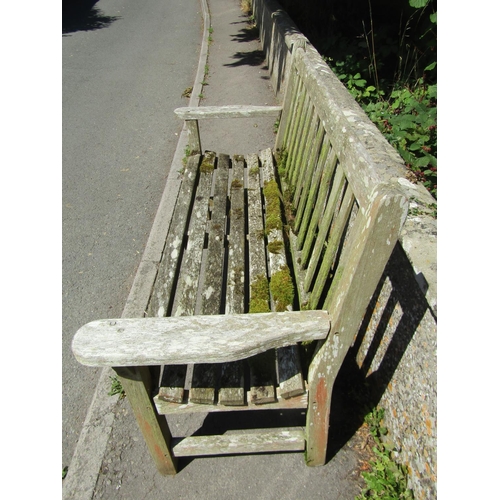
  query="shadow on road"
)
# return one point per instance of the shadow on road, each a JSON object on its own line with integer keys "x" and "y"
{"x": 82, "y": 15}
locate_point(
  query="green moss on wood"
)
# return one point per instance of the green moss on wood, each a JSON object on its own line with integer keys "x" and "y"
{"x": 282, "y": 289}
{"x": 273, "y": 210}
{"x": 254, "y": 171}
{"x": 207, "y": 164}
{"x": 236, "y": 184}
{"x": 259, "y": 293}
{"x": 275, "y": 246}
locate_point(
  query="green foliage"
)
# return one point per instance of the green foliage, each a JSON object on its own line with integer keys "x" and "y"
{"x": 65, "y": 472}
{"x": 116, "y": 387}
{"x": 408, "y": 119}
{"x": 385, "y": 55}
{"x": 387, "y": 480}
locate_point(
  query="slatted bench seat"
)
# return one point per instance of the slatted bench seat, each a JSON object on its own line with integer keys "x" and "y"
{"x": 268, "y": 267}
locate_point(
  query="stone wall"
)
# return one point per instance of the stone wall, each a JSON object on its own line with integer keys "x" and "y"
{"x": 395, "y": 349}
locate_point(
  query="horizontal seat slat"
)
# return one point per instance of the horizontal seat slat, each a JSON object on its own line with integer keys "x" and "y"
{"x": 249, "y": 442}
{"x": 231, "y": 390}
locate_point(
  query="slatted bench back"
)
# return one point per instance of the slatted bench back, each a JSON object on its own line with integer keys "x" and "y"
{"x": 345, "y": 218}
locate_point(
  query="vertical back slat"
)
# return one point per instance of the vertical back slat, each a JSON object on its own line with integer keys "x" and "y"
{"x": 293, "y": 138}
{"x": 303, "y": 143}
{"x": 289, "y": 102}
{"x": 332, "y": 247}
{"x": 313, "y": 199}
{"x": 324, "y": 225}
{"x": 311, "y": 167}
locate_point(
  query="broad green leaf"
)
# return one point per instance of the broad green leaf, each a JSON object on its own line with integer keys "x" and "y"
{"x": 418, "y": 4}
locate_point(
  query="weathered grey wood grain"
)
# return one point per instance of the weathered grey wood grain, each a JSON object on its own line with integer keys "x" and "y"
{"x": 136, "y": 382}
{"x": 166, "y": 408}
{"x": 324, "y": 228}
{"x": 332, "y": 249}
{"x": 292, "y": 138}
{"x": 232, "y": 390}
{"x": 262, "y": 366}
{"x": 162, "y": 297}
{"x": 296, "y": 139}
{"x": 237, "y": 111}
{"x": 236, "y": 260}
{"x": 288, "y": 100}
{"x": 256, "y": 442}
{"x": 257, "y": 252}
{"x": 194, "y": 142}
{"x": 205, "y": 375}
{"x": 372, "y": 240}
{"x": 316, "y": 195}
{"x": 173, "y": 383}
{"x": 307, "y": 188}
{"x": 290, "y": 377}
{"x": 303, "y": 142}
{"x": 211, "y": 339}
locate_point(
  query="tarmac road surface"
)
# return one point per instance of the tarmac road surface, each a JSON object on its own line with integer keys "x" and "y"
{"x": 124, "y": 64}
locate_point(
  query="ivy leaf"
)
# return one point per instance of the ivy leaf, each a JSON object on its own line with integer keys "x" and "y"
{"x": 434, "y": 18}
{"x": 418, "y": 4}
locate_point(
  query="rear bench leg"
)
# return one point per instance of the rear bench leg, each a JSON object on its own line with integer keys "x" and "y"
{"x": 323, "y": 371}
{"x": 136, "y": 382}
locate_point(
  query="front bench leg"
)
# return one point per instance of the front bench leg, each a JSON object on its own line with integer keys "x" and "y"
{"x": 136, "y": 381}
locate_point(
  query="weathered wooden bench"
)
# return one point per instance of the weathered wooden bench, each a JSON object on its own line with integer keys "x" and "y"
{"x": 269, "y": 265}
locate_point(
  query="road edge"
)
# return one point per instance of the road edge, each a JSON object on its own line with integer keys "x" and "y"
{"x": 85, "y": 465}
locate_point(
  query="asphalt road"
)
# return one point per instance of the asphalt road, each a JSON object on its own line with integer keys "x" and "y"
{"x": 125, "y": 65}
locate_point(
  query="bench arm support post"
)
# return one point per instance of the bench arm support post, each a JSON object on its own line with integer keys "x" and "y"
{"x": 136, "y": 381}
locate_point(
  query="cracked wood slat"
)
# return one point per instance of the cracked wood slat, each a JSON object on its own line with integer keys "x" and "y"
{"x": 211, "y": 339}
{"x": 162, "y": 297}
{"x": 173, "y": 378}
{"x": 231, "y": 390}
{"x": 205, "y": 375}
{"x": 235, "y": 111}
{"x": 255, "y": 442}
{"x": 290, "y": 377}
{"x": 263, "y": 366}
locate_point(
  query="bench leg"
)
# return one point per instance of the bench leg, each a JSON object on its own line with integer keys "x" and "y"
{"x": 137, "y": 385}
{"x": 322, "y": 373}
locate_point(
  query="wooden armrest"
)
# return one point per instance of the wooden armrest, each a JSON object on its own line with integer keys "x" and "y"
{"x": 198, "y": 113}
{"x": 193, "y": 339}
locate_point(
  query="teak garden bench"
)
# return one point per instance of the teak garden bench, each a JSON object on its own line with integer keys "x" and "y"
{"x": 268, "y": 267}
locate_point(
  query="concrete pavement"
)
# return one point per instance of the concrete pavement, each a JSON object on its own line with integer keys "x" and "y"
{"x": 112, "y": 460}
